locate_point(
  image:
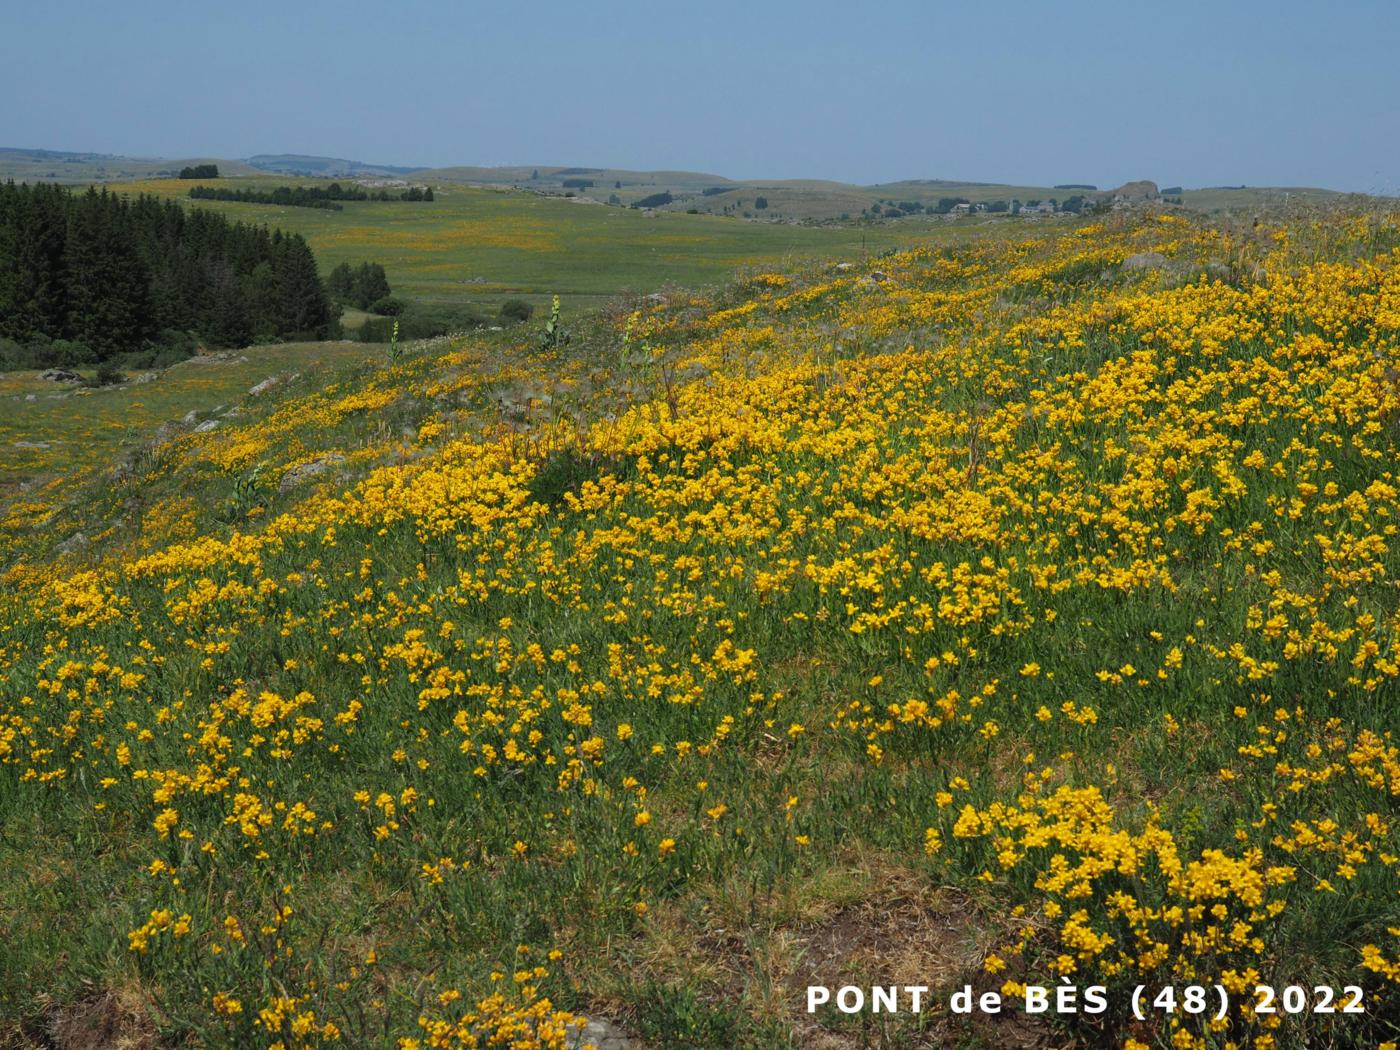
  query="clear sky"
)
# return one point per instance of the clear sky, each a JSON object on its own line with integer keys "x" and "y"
{"x": 1198, "y": 93}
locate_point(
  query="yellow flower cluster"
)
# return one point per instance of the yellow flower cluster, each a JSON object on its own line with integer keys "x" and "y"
{"x": 1078, "y": 581}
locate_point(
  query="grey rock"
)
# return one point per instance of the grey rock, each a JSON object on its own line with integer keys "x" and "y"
{"x": 1217, "y": 270}
{"x": 75, "y": 542}
{"x": 191, "y": 416}
{"x": 308, "y": 470}
{"x": 1145, "y": 261}
{"x": 875, "y": 277}
{"x": 602, "y": 1034}
{"x": 265, "y": 385}
{"x": 31, "y": 397}
{"x": 60, "y": 375}
{"x": 30, "y": 444}
{"x": 206, "y": 426}
{"x": 843, "y": 267}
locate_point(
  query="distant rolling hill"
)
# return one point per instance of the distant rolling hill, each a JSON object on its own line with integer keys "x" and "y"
{"x": 790, "y": 200}
{"x": 323, "y": 167}
{"x": 48, "y": 165}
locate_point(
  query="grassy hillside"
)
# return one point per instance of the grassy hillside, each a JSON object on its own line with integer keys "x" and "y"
{"x": 1002, "y": 615}
{"x": 61, "y": 431}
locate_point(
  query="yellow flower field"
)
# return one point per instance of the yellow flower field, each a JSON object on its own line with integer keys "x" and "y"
{"x": 613, "y": 679}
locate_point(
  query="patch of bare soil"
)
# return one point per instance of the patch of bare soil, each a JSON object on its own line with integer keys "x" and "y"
{"x": 916, "y": 938}
{"x": 113, "y": 1020}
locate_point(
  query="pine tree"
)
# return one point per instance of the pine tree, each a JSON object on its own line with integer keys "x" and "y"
{"x": 33, "y": 230}
{"x": 341, "y": 283}
{"x": 303, "y": 309}
{"x": 229, "y": 323}
{"x": 108, "y": 285}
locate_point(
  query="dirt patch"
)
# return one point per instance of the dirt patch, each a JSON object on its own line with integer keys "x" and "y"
{"x": 114, "y": 1020}
{"x": 925, "y": 939}
{"x": 919, "y": 937}
{"x": 877, "y": 925}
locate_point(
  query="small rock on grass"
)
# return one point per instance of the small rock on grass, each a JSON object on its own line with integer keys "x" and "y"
{"x": 602, "y": 1034}
{"x": 1145, "y": 261}
{"x": 308, "y": 470}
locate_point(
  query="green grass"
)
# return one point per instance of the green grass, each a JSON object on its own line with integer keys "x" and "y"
{"x": 62, "y": 427}
{"x": 474, "y": 245}
{"x": 811, "y": 865}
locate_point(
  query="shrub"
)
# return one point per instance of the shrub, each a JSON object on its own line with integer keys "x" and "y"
{"x": 516, "y": 310}
{"x": 563, "y": 471}
{"x": 387, "y": 306}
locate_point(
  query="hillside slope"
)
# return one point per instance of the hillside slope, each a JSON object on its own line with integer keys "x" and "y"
{"x": 989, "y": 614}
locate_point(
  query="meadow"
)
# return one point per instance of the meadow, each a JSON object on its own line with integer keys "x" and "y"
{"x": 990, "y": 612}
{"x": 484, "y": 245}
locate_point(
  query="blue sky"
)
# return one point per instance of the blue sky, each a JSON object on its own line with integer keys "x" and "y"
{"x": 1280, "y": 93}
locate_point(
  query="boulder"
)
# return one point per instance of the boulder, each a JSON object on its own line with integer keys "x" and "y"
{"x": 60, "y": 375}
{"x": 75, "y": 542}
{"x": 1145, "y": 261}
{"x": 602, "y": 1034}
{"x": 265, "y": 385}
{"x": 308, "y": 470}
{"x": 206, "y": 426}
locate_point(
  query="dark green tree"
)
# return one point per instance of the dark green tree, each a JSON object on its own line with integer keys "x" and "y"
{"x": 303, "y": 309}
{"x": 108, "y": 284}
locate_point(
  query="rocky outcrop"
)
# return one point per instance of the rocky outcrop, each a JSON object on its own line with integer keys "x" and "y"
{"x": 308, "y": 470}
{"x": 1146, "y": 261}
{"x": 602, "y": 1034}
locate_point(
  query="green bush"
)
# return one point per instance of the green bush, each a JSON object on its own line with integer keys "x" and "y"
{"x": 516, "y": 310}
{"x": 388, "y": 306}
{"x": 420, "y": 321}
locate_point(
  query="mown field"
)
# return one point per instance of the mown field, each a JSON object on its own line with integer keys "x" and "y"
{"x": 989, "y": 613}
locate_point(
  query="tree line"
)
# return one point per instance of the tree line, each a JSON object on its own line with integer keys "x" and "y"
{"x": 86, "y": 277}
{"x": 308, "y": 196}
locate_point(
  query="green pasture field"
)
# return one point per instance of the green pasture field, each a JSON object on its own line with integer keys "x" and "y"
{"x": 482, "y": 246}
